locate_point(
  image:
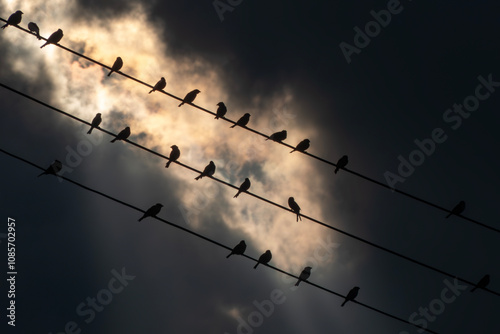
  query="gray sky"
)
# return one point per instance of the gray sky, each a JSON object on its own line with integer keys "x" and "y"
{"x": 283, "y": 63}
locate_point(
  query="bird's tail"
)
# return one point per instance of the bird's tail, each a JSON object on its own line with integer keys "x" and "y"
{"x": 5, "y": 26}
{"x": 181, "y": 104}
{"x": 473, "y": 289}
{"x": 168, "y": 164}
{"x": 44, "y": 45}
{"x": 229, "y": 255}
{"x": 448, "y": 215}
{"x": 345, "y": 301}
{"x": 292, "y": 151}
{"x": 237, "y": 194}
{"x": 256, "y": 265}
{"x": 232, "y": 126}
{"x": 298, "y": 282}
{"x": 110, "y": 73}
{"x": 140, "y": 219}
{"x": 152, "y": 90}
{"x": 216, "y": 117}
{"x": 90, "y": 131}
{"x": 113, "y": 140}
{"x": 41, "y": 174}
{"x": 336, "y": 170}
{"x": 197, "y": 178}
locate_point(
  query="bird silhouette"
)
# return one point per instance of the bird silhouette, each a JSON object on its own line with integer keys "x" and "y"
{"x": 264, "y": 258}
{"x": 278, "y": 136}
{"x": 122, "y": 135}
{"x": 54, "y": 38}
{"x": 243, "y": 187}
{"x": 458, "y": 209}
{"x": 95, "y": 122}
{"x": 14, "y": 19}
{"x": 351, "y": 295}
{"x": 208, "y": 171}
{"x": 483, "y": 282}
{"x": 243, "y": 121}
{"x": 239, "y": 249}
{"x": 159, "y": 85}
{"x": 295, "y": 207}
{"x": 341, "y": 163}
{"x": 152, "y": 211}
{"x": 221, "y": 110}
{"x": 174, "y": 155}
{"x": 302, "y": 146}
{"x": 53, "y": 169}
{"x": 189, "y": 98}
{"x": 33, "y": 27}
{"x": 304, "y": 275}
{"x": 116, "y": 65}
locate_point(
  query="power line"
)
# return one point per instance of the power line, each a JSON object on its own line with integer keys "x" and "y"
{"x": 213, "y": 241}
{"x": 282, "y": 143}
{"x": 407, "y": 258}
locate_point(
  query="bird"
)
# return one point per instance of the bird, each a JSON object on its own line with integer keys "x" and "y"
{"x": 33, "y": 27}
{"x": 244, "y": 187}
{"x": 239, "y": 249}
{"x": 189, "y": 98}
{"x": 302, "y": 146}
{"x": 278, "y": 136}
{"x": 483, "y": 282}
{"x": 116, "y": 65}
{"x": 122, "y": 135}
{"x": 152, "y": 211}
{"x": 159, "y": 85}
{"x": 264, "y": 258}
{"x": 221, "y": 111}
{"x": 54, "y": 38}
{"x": 341, "y": 163}
{"x": 351, "y": 295}
{"x": 208, "y": 171}
{"x": 53, "y": 169}
{"x": 95, "y": 122}
{"x": 174, "y": 155}
{"x": 243, "y": 121}
{"x": 458, "y": 209}
{"x": 14, "y": 19}
{"x": 295, "y": 207}
{"x": 304, "y": 275}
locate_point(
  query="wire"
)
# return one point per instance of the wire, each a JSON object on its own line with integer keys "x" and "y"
{"x": 212, "y": 240}
{"x": 282, "y": 143}
{"x": 257, "y": 196}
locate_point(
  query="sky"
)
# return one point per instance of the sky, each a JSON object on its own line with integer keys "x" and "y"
{"x": 387, "y": 83}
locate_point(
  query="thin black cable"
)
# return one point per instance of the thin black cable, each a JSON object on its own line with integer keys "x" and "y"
{"x": 282, "y": 143}
{"x": 212, "y": 240}
{"x": 257, "y": 196}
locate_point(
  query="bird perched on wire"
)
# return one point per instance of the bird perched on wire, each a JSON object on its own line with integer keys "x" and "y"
{"x": 302, "y": 146}
{"x": 243, "y": 121}
{"x": 243, "y": 187}
{"x": 189, "y": 98}
{"x": 351, "y": 295}
{"x": 239, "y": 249}
{"x": 95, "y": 122}
{"x": 458, "y": 209}
{"x": 122, "y": 135}
{"x": 33, "y": 27}
{"x": 53, "y": 169}
{"x": 159, "y": 85}
{"x": 304, "y": 275}
{"x": 341, "y": 163}
{"x": 264, "y": 258}
{"x": 295, "y": 207}
{"x": 278, "y": 136}
{"x": 54, "y": 38}
{"x": 483, "y": 282}
{"x": 152, "y": 211}
{"x": 221, "y": 110}
{"x": 174, "y": 155}
{"x": 208, "y": 171}
{"x": 14, "y": 19}
{"x": 116, "y": 65}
